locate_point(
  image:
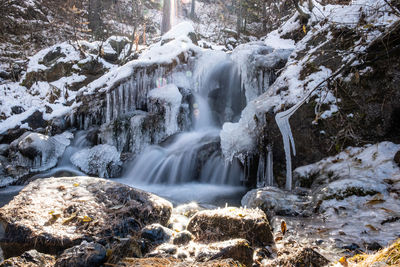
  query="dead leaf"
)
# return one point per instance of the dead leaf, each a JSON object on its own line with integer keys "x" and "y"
{"x": 283, "y": 227}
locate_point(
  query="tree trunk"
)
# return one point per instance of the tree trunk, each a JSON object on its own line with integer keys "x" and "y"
{"x": 239, "y": 18}
{"x": 166, "y": 19}
{"x": 264, "y": 16}
{"x": 193, "y": 10}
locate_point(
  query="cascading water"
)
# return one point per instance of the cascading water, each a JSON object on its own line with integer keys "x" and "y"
{"x": 190, "y": 166}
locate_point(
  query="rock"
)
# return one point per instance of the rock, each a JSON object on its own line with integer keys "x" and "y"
{"x": 156, "y": 234}
{"x": 52, "y": 56}
{"x": 274, "y": 201}
{"x": 129, "y": 247}
{"x": 30, "y": 258}
{"x": 17, "y": 110}
{"x": 298, "y": 257}
{"x": 53, "y": 214}
{"x": 229, "y": 223}
{"x": 397, "y": 158}
{"x": 35, "y": 121}
{"x": 4, "y": 149}
{"x": 85, "y": 254}
{"x": 38, "y": 152}
{"x": 236, "y": 249}
{"x": 162, "y": 262}
{"x": 182, "y": 238}
{"x": 101, "y": 160}
{"x": 375, "y": 246}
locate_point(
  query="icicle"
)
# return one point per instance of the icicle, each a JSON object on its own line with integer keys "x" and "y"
{"x": 282, "y": 120}
{"x": 120, "y": 100}
{"x": 126, "y": 98}
{"x": 270, "y": 167}
{"x": 261, "y": 172}
{"x": 108, "y": 109}
{"x": 115, "y": 105}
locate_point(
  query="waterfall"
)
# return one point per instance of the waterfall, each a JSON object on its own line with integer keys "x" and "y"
{"x": 195, "y": 155}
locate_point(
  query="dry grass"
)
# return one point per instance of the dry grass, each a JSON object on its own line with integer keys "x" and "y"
{"x": 389, "y": 255}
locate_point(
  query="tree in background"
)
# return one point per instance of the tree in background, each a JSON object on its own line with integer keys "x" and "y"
{"x": 166, "y": 23}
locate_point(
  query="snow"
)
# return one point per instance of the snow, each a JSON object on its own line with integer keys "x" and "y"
{"x": 371, "y": 161}
{"x": 71, "y": 54}
{"x": 181, "y": 29}
{"x": 171, "y": 99}
{"x": 15, "y": 120}
{"x": 275, "y": 41}
{"x": 97, "y": 160}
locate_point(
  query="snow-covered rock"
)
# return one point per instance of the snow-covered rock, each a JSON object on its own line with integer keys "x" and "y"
{"x": 101, "y": 160}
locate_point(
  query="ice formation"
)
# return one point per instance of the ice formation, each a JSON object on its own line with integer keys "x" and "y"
{"x": 170, "y": 98}
{"x": 101, "y": 160}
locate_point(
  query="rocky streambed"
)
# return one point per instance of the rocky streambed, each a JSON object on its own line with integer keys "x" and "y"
{"x": 83, "y": 221}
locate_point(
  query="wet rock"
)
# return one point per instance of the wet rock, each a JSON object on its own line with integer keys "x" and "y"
{"x": 30, "y": 258}
{"x": 156, "y": 233}
{"x": 298, "y": 257}
{"x": 274, "y": 201}
{"x": 53, "y": 214}
{"x": 229, "y": 223}
{"x": 84, "y": 255}
{"x": 182, "y": 238}
{"x": 102, "y": 161}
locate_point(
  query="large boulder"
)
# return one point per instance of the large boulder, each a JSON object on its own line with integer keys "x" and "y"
{"x": 230, "y": 223}
{"x": 101, "y": 160}
{"x": 53, "y": 214}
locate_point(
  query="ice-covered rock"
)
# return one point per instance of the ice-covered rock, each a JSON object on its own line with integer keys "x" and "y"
{"x": 53, "y": 214}
{"x": 274, "y": 201}
{"x": 35, "y": 152}
{"x": 166, "y": 100}
{"x": 101, "y": 160}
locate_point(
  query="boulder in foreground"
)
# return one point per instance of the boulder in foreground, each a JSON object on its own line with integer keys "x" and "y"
{"x": 231, "y": 223}
{"x": 53, "y": 214}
